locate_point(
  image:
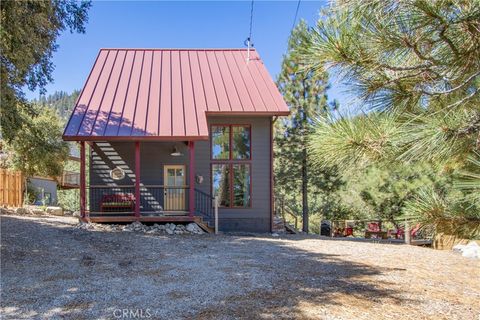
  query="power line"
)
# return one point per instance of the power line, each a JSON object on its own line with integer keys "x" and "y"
{"x": 248, "y": 42}
{"x": 296, "y": 14}
{"x": 251, "y": 21}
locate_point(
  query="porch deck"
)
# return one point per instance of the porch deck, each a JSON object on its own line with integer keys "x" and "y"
{"x": 162, "y": 219}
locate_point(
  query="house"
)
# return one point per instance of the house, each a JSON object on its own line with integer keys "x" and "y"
{"x": 45, "y": 188}
{"x": 42, "y": 189}
{"x": 167, "y": 130}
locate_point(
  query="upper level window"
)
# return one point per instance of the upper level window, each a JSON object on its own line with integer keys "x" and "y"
{"x": 231, "y": 175}
{"x": 231, "y": 142}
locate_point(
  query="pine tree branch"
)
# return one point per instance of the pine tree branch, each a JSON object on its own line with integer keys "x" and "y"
{"x": 466, "y": 98}
{"x": 437, "y": 93}
{"x": 447, "y": 40}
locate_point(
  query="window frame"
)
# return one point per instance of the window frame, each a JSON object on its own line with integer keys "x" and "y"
{"x": 230, "y": 141}
{"x": 230, "y": 162}
{"x": 230, "y": 184}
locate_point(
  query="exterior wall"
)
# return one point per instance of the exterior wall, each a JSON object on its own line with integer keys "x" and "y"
{"x": 45, "y": 185}
{"x": 258, "y": 217}
{"x": 154, "y": 155}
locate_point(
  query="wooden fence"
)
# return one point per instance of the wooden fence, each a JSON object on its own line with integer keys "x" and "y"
{"x": 11, "y": 188}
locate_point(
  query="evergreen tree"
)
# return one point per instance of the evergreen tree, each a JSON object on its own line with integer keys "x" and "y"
{"x": 28, "y": 33}
{"x": 60, "y": 101}
{"x": 305, "y": 94}
{"x": 415, "y": 65}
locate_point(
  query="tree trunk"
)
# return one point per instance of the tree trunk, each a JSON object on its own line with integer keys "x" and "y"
{"x": 304, "y": 191}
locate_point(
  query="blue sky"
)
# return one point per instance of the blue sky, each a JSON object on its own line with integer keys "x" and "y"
{"x": 180, "y": 24}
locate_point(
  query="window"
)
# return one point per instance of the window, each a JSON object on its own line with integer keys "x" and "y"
{"x": 231, "y": 174}
{"x": 231, "y": 142}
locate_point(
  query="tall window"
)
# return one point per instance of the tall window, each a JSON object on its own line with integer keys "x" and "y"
{"x": 231, "y": 170}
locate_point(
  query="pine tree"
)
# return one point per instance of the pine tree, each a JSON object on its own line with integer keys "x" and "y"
{"x": 415, "y": 65}
{"x": 305, "y": 94}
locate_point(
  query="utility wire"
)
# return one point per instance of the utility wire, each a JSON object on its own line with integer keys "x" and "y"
{"x": 296, "y": 15}
{"x": 251, "y": 21}
{"x": 248, "y": 42}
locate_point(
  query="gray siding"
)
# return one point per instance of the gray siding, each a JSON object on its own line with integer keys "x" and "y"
{"x": 256, "y": 218}
{"x": 154, "y": 155}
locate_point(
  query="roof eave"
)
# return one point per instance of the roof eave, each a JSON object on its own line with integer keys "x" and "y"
{"x": 134, "y": 138}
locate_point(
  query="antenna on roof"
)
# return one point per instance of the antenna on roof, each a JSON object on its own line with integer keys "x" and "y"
{"x": 249, "y": 42}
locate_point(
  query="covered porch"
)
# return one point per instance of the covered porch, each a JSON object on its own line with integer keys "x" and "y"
{"x": 147, "y": 181}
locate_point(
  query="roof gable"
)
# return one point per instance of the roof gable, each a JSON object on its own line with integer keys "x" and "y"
{"x": 167, "y": 93}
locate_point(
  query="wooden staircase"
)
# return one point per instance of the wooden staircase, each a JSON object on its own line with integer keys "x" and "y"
{"x": 280, "y": 222}
{"x": 204, "y": 225}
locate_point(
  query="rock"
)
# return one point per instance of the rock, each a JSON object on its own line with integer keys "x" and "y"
{"x": 169, "y": 231}
{"x": 21, "y": 211}
{"x": 56, "y": 211}
{"x": 471, "y": 250}
{"x": 191, "y": 227}
{"x": 76, "y": 214}
{"x": 85, "y": 226}
{"x": 275, "y": 234}
{"x": 170, "y": 226}
{"x": 37, "y": 212}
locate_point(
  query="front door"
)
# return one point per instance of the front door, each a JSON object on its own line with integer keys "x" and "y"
{"x": 174, "y": 192}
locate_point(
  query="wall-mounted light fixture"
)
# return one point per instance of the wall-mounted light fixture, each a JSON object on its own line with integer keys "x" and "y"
{"x": 176, "y": 152}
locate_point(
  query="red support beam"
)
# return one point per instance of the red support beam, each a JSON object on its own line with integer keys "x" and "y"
{"x": 191, "y": 172}
{"x": 137, "y": 179}
{"x": 82, "y": 180}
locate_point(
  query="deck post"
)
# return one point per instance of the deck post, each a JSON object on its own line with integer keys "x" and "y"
{"x": 137, "y": 179}
{"x": 82, "y": 180}
{"x": 215, "y": 204}
{"x": 407, "y": 236}
{"x": 191, "y": 180}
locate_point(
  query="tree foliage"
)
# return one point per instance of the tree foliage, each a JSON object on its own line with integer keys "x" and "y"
{"x": 60, "y": 101}
{"x": 28, "y": 33}
{"x": 38, "y": 149}
{"x": 302, "y": 184}
{"x": 415, "y": 65}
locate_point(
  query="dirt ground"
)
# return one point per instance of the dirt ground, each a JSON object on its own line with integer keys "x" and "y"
{"x": 52, "y": 270}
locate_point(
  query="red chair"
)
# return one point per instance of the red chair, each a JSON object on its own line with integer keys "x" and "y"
{"x": 400, "y": 234}
{"x": 348, "y": 231}
{"x": 375, "y": 229}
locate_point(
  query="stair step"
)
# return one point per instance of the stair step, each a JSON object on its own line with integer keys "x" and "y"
{"x": 205, "y": 227}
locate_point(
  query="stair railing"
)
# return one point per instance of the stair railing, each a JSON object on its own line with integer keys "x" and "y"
{"x": 283, "y": 209}
{"x": 206, "y": 207}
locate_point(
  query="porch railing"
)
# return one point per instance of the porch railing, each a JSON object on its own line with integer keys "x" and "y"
{"x": 69, "y": 179}
{"x": 154, "y": 199}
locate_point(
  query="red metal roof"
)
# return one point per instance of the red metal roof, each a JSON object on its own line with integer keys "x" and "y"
{"x": 167, "y": 93}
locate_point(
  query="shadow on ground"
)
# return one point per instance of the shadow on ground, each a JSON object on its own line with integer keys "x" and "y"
{"x": 52, "y": 270}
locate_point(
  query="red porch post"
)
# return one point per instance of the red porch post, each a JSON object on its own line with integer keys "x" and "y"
{"x": 82, "y": 180}
{"x": 137, "y": 179}
{"x": 191, "y": 172}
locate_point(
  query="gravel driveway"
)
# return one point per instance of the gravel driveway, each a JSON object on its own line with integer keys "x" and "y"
{"x": 52, "y": 270}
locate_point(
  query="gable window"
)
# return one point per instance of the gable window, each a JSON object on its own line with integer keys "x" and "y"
{"x": 231, "y": 170}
